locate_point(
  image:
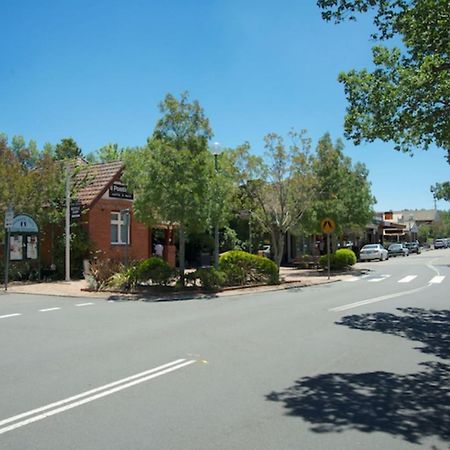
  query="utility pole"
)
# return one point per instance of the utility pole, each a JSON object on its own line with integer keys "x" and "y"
{"x": 67, "y": 259}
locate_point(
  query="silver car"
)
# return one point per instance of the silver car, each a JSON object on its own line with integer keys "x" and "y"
{"x": 373, "y": 251}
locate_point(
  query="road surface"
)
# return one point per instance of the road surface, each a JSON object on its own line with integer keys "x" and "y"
{"x": 348, "y": 365}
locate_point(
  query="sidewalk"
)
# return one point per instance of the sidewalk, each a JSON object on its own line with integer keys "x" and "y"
{"x": 292, "y": 277}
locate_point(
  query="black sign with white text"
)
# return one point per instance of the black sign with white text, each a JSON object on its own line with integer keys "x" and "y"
{"x": 119, "y": 190}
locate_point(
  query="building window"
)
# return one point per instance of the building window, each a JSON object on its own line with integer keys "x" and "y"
{"x": 120, "y": 229}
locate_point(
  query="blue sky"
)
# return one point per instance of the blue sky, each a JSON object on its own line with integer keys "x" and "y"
{"x": 96, "y": 70}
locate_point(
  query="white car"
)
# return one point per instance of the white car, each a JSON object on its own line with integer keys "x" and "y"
{"x": 373, "y": 251}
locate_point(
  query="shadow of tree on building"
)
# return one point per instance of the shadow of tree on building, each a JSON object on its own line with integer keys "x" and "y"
{"x": 411, "y": 406}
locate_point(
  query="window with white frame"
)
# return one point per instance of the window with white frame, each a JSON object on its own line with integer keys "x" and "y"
{"x": 120, "y": 228}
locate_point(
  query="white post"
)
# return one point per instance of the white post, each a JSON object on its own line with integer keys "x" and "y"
{"x": 67, "y": 222}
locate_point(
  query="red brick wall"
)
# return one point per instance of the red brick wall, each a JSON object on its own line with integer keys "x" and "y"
{"x": 99, "y": 228}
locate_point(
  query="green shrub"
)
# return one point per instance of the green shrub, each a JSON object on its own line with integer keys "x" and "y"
{"x": 155, "y": 269}
{"x": 125, "y": 279}
{"x": 342, "y": 259}
{"x": 210, "y": 278}
{"x": 243, "y": 268}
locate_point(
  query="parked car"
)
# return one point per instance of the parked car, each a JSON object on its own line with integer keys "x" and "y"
{"x": 413, "y": 247}
{"x": 440, "y": 243}
{"x": 398, "y": 250}
{"x": 373, "y": 251}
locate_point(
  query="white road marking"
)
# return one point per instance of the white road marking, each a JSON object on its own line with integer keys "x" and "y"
{"x": 375, "y": 300}
{"x": 49, "y": 309}
{"x": 377, "y": 279}
{"x": 10, "y": 315}
{"x": 116, "y": 386}
{"x": 437, "y": 279}
{"x": 407, "y": 279}
{"x": 84, "y": 304}
{"x": 351, "y": 280}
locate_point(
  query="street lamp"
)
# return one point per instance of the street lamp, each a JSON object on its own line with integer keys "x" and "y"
{"x": 216, "y": 152}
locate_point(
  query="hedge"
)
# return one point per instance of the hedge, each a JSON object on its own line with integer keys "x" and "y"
{"x": 342, "y": 259}
{"x": 242, "y": 268}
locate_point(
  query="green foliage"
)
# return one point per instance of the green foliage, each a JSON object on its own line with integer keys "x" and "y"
{"x": 67, "y": 149}
{"x": 155, "y": 269}
{"x": 441, "y": 191}
{"x": 341, "y": 259}
{"x": 243, "y": 268}
{"x": 345, "y": 193}
{"x": 210, "y": 278}
{"x": 405, "y": 99}
{"x": 125, "y": 279}
{"x": 172, "y": 177}
{"x": 279, "y": 187}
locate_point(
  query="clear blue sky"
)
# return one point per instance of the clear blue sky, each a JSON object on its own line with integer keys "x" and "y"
{"x": 95, "y": 70}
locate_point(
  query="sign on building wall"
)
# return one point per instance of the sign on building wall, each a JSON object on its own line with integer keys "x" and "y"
{"x": 119, "y": 190}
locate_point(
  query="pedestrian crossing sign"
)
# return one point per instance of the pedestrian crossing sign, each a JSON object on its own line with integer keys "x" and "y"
{"x": 327, "y": 225}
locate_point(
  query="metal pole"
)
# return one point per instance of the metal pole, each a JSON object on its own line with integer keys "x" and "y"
{"x": 328, "y": 253}
{"x": 67, "y": 259}
{"x": 216, "y": 225}
{"x": 6, "y": 257}
{"x": 250, "y": 237}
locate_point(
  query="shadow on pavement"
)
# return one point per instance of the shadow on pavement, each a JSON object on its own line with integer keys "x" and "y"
{"x": 411, "y": 406}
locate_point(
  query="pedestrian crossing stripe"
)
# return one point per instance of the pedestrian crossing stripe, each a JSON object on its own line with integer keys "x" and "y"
{"x": 407, "y": 279}
{"x": 437, "y": 279}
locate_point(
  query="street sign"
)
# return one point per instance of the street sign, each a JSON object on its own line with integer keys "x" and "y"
{"x": 75, "y": 210}
{"x": 327, "y": 225}
{"x": 9, "y": 217}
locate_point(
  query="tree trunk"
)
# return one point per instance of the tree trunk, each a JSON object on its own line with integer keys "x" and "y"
{"x": 182, "y": 261}
{"x": 278, "y": 246}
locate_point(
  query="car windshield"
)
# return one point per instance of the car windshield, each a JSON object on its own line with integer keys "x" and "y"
{"x": 368, "y": 247}
{"x": 394, "y": 246}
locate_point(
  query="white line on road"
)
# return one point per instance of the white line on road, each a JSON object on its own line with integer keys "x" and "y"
{"x": 49, "y": 309}
{"x": 407, "y": 279}
{"x": 84, "y": 304}
{"x": 375, "y": 300}
{"x": 129, "y": 382}
{"x": 437, "y": 279}
{"x": 10, "y": 315}
{"x": 380, "y": 278}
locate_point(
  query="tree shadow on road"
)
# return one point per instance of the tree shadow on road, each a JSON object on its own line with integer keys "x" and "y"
{"x": 411, "y": 406}
{"x": 429, "y": 327}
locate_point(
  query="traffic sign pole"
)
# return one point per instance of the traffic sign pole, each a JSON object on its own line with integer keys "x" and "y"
{"x": 9, "y": 217}
{"x": 328, "y": 253}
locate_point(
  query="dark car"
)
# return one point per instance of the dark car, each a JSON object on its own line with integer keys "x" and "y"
{"x": 398, "y": 250}
{"x": 413, "y": 247}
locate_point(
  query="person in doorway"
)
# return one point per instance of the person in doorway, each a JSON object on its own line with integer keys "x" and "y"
{"x": 159, "y": 249}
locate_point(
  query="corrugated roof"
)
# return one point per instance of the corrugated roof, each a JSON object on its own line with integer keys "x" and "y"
{"x": 420, "y": 215}
{"x": 95, "y": 179}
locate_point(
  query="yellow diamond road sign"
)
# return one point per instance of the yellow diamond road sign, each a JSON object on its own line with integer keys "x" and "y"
{"x": 328, "y": 225}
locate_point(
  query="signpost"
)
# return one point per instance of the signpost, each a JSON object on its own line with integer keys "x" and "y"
{"x": 328, "y": 225}
{"x": 9, "y": 217}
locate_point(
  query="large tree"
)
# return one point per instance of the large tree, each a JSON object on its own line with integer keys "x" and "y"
{"x": 406, "y": 98}
{"x": 280, "y": 185}
{"x": 172, "y": 175}
{"x": 345, "y": 193}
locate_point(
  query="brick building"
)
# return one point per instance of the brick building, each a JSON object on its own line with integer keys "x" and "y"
{"x": 108, "y": 217}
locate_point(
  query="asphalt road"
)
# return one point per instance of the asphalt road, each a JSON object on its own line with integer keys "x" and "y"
{"x": 349, "y": 365}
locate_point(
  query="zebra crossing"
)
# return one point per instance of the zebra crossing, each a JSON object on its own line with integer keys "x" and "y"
{"x": 437, "y": 279}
